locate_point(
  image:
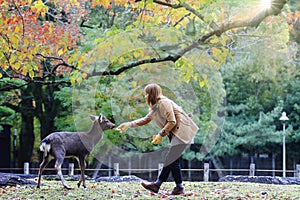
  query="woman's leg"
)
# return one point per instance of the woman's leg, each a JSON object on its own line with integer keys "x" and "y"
{"x": 172, "y": 164}
{"x": 176, "y": 172}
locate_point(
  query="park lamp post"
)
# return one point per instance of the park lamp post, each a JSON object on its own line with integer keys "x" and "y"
{"x": 283, "y": 118}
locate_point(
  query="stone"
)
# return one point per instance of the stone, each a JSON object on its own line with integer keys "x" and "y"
{"x": 119, "y": 179}
{"x": 262, "y": 179}
{"x": 15, "y": 179}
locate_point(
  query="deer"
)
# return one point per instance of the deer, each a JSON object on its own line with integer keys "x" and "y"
{"x": 59, "y": 145}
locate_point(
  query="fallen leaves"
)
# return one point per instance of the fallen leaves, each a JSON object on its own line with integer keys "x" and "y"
{"x": 133, "y": 190}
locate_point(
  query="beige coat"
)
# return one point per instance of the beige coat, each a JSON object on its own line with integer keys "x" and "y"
{"x": 171, "y": 119}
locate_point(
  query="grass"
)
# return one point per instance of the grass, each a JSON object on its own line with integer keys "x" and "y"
{"x": 133, "y": 190}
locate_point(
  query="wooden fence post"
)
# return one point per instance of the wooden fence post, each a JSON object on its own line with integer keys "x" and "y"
{"x": 149, "y": 166}
{"x": 206, "y": 172}
{"x": 116, "y": 169}
{"x": 129, "y": 167}
{"x": 26, "y": 168}
{"x": 109, "y": 164}
{"x": 71, "y": 169}
{"x": 298, "y": 171}
{"x": 189, "y": 172}
{"x": 160, "y": 167}
{"x": 252, "y": 169}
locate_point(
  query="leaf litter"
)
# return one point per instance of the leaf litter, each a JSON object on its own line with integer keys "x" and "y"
{"x": 133, "y": 190}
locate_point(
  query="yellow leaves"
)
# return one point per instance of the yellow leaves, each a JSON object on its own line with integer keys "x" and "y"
{"x": 137, "y": 54}
{"x": 78, "y": 77}
{"x": 79, "y": 80}
{"x": 219, "y": 51}
{"x": 21, "y": 51}
{"x": 17, "y": 29}
{"x": 74, "y": 3}
{"x": 220, "y": 40}
{"x": 72, "y": 80}
{"x": 215, "y": 51}
{"x": 12, "y": 58}
{"x": 105, "y": 3}
{"x": 15, "y": 41}
{"x": 98, "y": 40}
{"x": 86, "y": 70}
{"x": 220, "y": 55}
{"x": 132, "y": 116}
{"x": 121, "y": 60}
{"x": 187, "y": 70}
{"x": 84, "y": 75}
{"x": 60, "y": 52}
{"x": 201, "y": 84}
{"x": 203, "y": 81}
{"x": 215, "y": 40}
{"x": 51, "y": 29}
{"x": 40, "y": 8}
{"x": 120, "y": 76}
{"x": 17, "y": 66}
{"x": 134, "y": 84}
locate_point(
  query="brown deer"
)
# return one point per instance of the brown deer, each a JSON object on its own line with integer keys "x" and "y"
{"x": 78, "y": 144}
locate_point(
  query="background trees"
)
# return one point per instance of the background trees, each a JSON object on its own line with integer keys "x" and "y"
{"x": 228, "y": 59}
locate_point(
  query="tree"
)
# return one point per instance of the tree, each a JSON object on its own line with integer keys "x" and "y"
{"x": 20, "y": 23}
{"x": 256, "y": 100}
{"x": 27, "y": 39}
{"x": 39, "y": 40}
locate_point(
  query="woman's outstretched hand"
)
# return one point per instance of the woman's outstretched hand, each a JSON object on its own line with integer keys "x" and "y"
{"x": 123, "y": 127}
{"x": 156, "y": 139}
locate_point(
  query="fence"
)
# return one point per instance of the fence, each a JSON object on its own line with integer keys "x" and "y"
{"x": 115, "y": 171}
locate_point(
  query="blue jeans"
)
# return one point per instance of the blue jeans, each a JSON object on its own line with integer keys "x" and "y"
{"x": 172, "y": 164}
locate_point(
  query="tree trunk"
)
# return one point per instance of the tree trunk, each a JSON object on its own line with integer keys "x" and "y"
{"x": 27, "y": 127}
{"x": 46, "y": 108}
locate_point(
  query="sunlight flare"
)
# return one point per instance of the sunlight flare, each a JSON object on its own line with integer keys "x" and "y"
{"x": 266, "y": 4}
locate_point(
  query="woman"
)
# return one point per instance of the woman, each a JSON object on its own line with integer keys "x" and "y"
{"x": 175, "y": 124}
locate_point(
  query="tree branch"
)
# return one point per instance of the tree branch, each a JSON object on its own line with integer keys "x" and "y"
{"x": 22, "y": 18}
{"x": 132, "y": 65}
{"x": 63, "y": 63}
{"x": 217, "y": 30}
{"x": 10, "y": 86}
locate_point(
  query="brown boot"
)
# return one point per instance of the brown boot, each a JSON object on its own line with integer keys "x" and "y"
{"x": 150, "y": 186}
{"x": 177, "y": 191}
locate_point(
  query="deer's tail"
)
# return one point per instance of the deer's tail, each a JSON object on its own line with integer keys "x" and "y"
{"x": 45, "y": 146}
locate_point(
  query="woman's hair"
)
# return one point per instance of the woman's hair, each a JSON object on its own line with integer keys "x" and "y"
{"x": 154, "y": 93}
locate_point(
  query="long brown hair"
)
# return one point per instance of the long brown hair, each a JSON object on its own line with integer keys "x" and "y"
{"x": 154, "y": 92}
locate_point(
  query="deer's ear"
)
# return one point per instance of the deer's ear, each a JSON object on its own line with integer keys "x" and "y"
{"x": 93, "y": 117}
{"x": 101, "y": 118}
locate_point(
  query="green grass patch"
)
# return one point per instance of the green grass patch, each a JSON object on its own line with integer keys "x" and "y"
{"x": 133, "y": 190}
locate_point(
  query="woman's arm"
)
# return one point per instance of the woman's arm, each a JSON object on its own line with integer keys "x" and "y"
{"x": 167, "y": 112}
{"x": 142, "y": 121}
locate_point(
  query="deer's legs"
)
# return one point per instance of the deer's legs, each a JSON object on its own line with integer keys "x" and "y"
{"x": 45, "y": 162}
{"x": 59, "y": 155}
{"x": 82, "y": 168}
{"x": 58, "y": 163}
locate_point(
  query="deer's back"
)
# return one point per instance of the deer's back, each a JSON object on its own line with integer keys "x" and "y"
{"x": 69, "y": 143}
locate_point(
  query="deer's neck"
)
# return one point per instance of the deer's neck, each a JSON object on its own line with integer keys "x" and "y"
{"x": 95, "y": 133}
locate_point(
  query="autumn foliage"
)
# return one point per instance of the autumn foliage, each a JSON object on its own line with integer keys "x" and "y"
{"x": 32, "y": 32}
{"x": 39, "y": 39}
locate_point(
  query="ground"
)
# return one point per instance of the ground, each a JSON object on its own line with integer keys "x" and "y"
{"x": 128, "y": 187}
